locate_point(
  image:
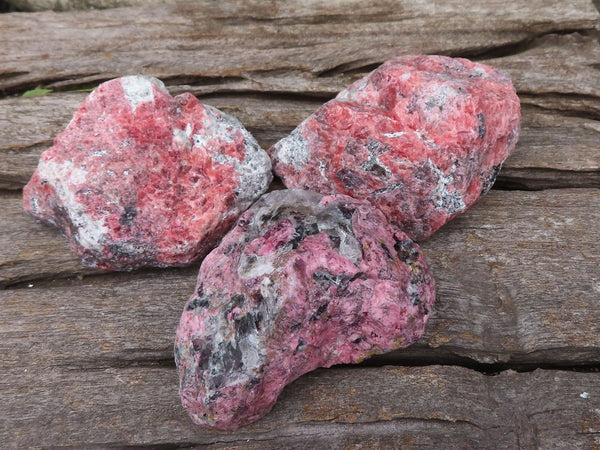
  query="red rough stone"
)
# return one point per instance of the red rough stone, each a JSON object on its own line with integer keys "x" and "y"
{"x": 421, "y": 138}
{"x": 140, "y": 178}
{"x": 302, "y": 281}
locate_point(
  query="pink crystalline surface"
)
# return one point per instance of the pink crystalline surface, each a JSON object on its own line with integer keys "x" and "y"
{"x": 421, "y": 138}
{"x": 141, "y": 178}
{"x": 302, "y": 281}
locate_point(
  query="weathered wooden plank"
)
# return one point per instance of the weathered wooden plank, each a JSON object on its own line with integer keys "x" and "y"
{"x": 517, "y": 279}
{"x": 526, "y": 257}
{"x": 99, "y": 322}
{"x": 30, "y": 250}
{"x": 88, "y": 361}
{"x": 434, "y": 407}
{"x": 66, "y": 5}
{"x": 554, "y": 150}
{"x": 251, "y": 42}
{"x": 558, "y": 72}
{"x": 29, "y": 126}
{"x": 554, "y": 71}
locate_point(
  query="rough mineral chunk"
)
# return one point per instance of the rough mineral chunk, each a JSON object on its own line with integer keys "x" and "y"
{"x": 421, "y": 138}
{"x": 141, "y": 178}
{"x": 302, "y": 281}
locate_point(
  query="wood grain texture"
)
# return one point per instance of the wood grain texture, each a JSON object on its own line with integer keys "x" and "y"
{"x": 29, "y": 126}
{"x": 86, "y": 356}
{"x": 517, "y": 280}
{"x": 556, "y": 76}
{"x": 389, "y": 407}
{"x": 517, "y": 249}
{"x": 232, "y": 42}
{"x": 30, "y": 248}
{"x": 554, "y": 149}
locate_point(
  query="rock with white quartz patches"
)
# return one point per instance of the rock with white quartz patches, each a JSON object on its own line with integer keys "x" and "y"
{"x": 421, "y": 138}
{"x": 140, "y": 178}
{"x": 302, "y": 281}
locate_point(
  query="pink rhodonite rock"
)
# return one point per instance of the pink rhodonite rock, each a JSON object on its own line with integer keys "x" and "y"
{"x": 302, "y": 281}
{"x": 421, "y": 138}
{"x": 140, "y": 178}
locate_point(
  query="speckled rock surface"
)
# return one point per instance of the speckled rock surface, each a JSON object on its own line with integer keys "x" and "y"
{"x": 140, "y": 178}
{"x": 421, "y": 138}
{"x": 302, "y": 281}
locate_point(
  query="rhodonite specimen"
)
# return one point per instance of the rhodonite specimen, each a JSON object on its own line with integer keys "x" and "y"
{"x": 302, "y": 281}
{"x": 140, "y": 178}
{"x": 420, "y": 137}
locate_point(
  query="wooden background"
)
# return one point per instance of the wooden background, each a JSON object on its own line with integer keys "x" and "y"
{"x": 510, "y": 358}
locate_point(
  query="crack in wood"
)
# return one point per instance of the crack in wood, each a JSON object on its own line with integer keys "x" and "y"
{"x": 537, "y": 179}
{"x": 220, "y": 84}
{"x": 63, "y": 83}
{"x": 164, "y": 358}
{"x": 510, "y": 356}
{"x": 8, "y": 73}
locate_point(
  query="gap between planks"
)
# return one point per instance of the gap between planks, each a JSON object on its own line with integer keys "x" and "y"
{"x": 429, "y": 406}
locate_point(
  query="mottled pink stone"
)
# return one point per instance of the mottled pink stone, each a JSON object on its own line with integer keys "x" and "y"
{"x": 302, "y": 281}
{"x": 421, "y": 138}
{"x": 140, "y": 178}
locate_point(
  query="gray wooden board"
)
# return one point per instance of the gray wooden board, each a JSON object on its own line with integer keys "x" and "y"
{"x": 386, "y": 407}
{"x": 554, "y": 150}
{"x": 258, "y": 43}
{"x": 552, "y": 72}
{"x": 517, "y": 279}
{"x": 86, "y": 356}
{"x": 30, "y": 250}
